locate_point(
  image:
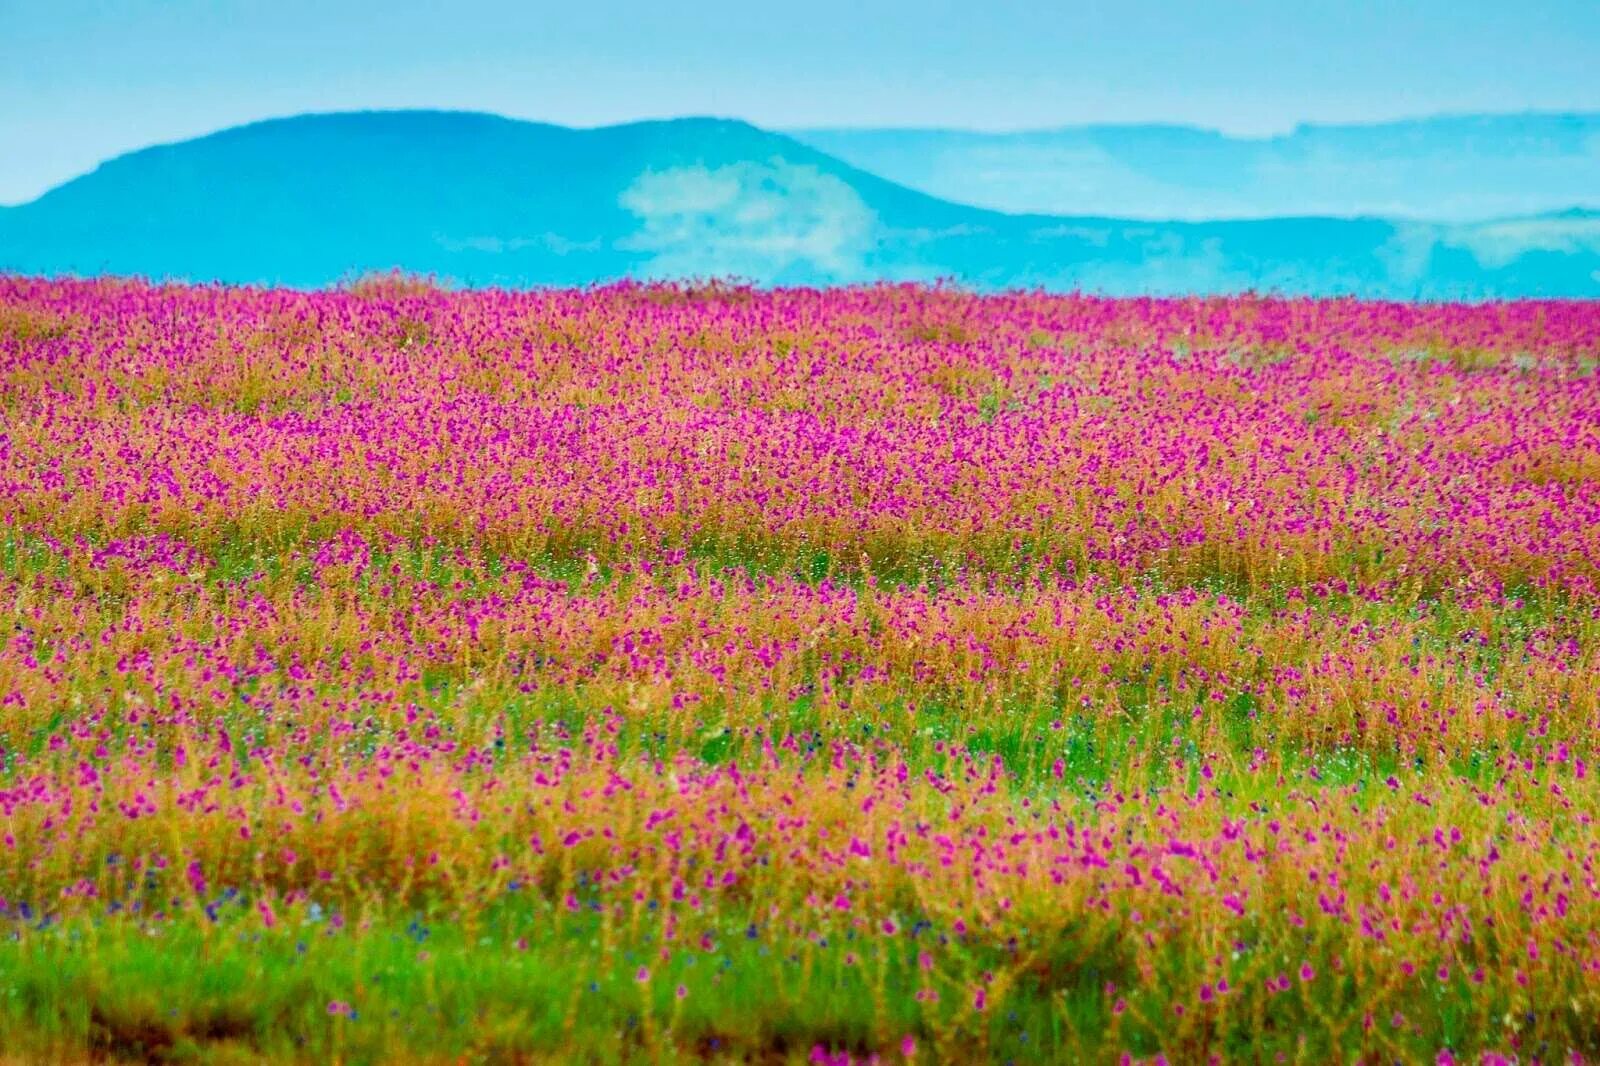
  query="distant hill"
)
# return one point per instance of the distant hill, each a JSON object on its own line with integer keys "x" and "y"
{"x": 1449, "y": 168}
{"x": 484, "y": 200}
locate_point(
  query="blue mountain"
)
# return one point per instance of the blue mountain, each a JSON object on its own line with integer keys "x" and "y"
{"x": 484, "y": 200}
{"x": 1457, "y": 168}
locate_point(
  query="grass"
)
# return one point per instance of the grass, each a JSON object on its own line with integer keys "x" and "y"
{"x": 681, "y": 674}
{"x": 522, "y": 988}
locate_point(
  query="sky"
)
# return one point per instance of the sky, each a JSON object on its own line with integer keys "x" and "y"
{"x": 82, "y": 81}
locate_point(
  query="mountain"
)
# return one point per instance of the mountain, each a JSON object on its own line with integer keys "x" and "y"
{"x": 482, "y": 200}
{"x": 1450, "y": 168}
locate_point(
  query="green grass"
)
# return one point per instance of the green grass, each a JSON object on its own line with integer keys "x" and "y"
{"x": 528, "y": 985}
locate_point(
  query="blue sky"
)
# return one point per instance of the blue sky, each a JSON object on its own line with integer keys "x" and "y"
{"x": 81, "y": 81}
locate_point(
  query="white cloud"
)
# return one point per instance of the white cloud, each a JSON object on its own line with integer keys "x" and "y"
{"x": 753, "y": 220}
{"x": 1497, "y": 244}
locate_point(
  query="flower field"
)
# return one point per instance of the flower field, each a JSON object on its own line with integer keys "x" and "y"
{"x": 672, "y": 673}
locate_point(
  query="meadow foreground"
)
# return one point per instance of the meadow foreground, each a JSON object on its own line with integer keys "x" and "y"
{"x": 705, "y": 674}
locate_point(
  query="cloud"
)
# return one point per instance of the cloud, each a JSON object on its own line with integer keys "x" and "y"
{"x": 1498, "y": 244}
{"x": 763, "y": 221}
{"x": 1494, "y": 245}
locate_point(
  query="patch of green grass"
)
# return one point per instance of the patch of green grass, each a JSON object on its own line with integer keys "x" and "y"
{"x": 531, "y": 982}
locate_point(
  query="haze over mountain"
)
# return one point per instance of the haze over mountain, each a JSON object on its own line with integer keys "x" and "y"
{"x": 480, "y": 199}
{"x": 1451, "y": 168}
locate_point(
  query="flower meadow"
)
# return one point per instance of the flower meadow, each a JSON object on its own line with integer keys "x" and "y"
{"x": 700, "y": 673}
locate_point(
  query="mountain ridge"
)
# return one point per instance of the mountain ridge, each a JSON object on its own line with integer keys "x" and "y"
{"x": 1441, "y": 119}
{"x": 485, "y": 199}
{"x": 1456, "y": 168}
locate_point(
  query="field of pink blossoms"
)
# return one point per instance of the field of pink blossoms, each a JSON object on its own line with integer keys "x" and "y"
{"x": 695, "y": 673}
